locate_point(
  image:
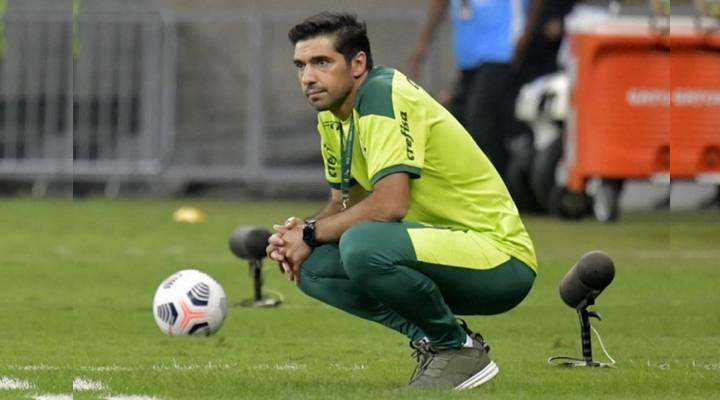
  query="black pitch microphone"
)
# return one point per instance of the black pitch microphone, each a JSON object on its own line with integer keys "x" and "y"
{"x": 578, "y": 289}
{"x": 587, "y": 279}
{"x": 249, "y": 243}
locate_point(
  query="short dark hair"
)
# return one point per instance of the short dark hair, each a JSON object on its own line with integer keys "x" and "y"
{"x": 350, "y": 34}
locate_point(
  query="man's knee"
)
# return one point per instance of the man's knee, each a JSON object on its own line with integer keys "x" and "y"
{"x": 355, "y": 251}
{"x": 323, "y": 262}
{"x": 367, "y": 248}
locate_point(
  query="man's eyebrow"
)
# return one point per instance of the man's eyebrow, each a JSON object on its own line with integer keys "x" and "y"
{"x": 320, "y": 58}
{"x": 312, "y": 59}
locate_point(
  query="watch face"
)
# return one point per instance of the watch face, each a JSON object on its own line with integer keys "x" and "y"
{"x": 309, "y": 233}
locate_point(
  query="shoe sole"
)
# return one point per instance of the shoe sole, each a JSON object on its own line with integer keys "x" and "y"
{"x": 481, "y": 377}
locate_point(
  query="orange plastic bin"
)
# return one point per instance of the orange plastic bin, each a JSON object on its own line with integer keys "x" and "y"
{"x": 631, "y": 86}
{"x": 695, "y": 104}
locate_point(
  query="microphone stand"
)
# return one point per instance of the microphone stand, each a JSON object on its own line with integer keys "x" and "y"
{"x": 258, "y": 300}
{"x": 585, "y": 339}
{"x": 584, "y": 316}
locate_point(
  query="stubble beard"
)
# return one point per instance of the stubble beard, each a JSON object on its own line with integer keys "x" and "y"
{"x": 335, "y": 105}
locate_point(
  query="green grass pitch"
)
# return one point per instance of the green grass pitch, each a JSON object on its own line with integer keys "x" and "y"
{"x": 77, "y": 281}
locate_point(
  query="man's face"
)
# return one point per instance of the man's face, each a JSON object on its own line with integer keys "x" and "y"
{"x": 325, "y": 77}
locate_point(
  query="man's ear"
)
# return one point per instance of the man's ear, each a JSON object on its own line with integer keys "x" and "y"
{"x": 359, "y": 64}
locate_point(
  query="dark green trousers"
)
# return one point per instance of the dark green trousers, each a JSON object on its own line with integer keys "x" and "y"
{"x": 373, "y": 273}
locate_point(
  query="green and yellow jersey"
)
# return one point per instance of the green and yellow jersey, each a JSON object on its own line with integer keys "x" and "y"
{"x": 398, "y": 127}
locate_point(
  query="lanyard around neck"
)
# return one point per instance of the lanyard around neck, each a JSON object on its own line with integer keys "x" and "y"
{"x": 346, "y": 163}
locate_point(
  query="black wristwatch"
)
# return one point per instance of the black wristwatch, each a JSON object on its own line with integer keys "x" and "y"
{"x": 309, "y": 234}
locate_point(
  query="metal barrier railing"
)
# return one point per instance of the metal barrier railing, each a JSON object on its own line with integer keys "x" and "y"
{"x": 87, "y": 114}
{"x": 35, "y": 94}
{"x": 118, "y": 95}
{"x": 144, "y": 93}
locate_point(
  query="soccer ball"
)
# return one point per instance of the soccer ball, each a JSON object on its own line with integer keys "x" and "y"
{"x": 189, "y": 302}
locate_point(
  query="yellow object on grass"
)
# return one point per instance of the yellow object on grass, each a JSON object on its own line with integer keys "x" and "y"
{"x": 189, "y": 215}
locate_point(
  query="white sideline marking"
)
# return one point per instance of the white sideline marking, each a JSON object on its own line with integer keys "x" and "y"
{"x": 184, "y": 367}
{"x": 131, "y": 397}
{"x": 353, "y": 367}
{"x": 38, "y": 367}
{"x": 279, "y": 367}
{"x": 109, "y": 368}
{"x": 85, "y": 385}
{"x": 176, "y": 366}
{"x": 10, "y": 383}
{"x": 52, "y": 397}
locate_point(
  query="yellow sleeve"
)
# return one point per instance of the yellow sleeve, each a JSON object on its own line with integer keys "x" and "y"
{"x": 392, "y": 145}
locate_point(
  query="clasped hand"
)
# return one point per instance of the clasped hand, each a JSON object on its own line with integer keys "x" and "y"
{"x": 287, "y": 248}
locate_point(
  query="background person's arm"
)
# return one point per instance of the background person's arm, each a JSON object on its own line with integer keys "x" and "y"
{"x": 436, "y": 14}
{"x": 532, "y": 20}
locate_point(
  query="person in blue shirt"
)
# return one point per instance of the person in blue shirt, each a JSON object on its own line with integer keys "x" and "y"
{"x": 489, "y": 39}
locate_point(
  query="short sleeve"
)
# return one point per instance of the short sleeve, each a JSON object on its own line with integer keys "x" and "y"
{"x": 391, "y": 131}
{"x": 392, "y": 145}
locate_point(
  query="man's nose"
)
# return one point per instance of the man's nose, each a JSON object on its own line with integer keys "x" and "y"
{"x": 307, "y": 76}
